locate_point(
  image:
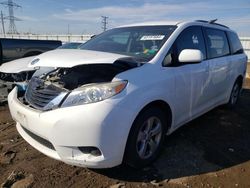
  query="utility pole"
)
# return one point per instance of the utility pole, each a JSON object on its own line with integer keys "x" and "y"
{"x": 104, "y": 22}
{"x": 2, "y": 20}
{"x": 68, "y": 29}
{"x": 11, "y": 5}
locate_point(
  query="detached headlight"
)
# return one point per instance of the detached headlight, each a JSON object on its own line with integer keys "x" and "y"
{"x": 94, "y": 93}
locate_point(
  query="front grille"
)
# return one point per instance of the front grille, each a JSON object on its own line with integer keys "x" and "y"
{"x": 38, "y": 95}
{"x": 39, "y": 139}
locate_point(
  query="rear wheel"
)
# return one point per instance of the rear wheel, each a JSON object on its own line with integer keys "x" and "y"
{"x": 146, "y": 137}
{"x": 235, "y": 94}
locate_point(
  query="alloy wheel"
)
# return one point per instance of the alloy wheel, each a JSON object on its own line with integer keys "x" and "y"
{"x": 149, "y": 137}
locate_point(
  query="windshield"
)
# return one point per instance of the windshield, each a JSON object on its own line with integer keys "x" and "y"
{"x": 70, "y": 45}
{"x": 140, "y": 42}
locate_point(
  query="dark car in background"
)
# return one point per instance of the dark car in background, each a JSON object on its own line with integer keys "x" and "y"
{"x": 11, "y": 49}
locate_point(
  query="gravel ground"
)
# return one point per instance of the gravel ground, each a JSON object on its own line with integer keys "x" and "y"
{"x": 211, "y": 151}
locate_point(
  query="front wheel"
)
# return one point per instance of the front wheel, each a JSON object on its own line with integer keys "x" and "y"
{"x": 146, "y": 138}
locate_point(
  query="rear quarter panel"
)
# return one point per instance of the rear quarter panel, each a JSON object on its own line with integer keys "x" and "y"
{"x": 238, "y": 67}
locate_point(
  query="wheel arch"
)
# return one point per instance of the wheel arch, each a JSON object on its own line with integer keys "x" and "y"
{"x": 156, "y": 103}
{"x": 240, "y": 79}
{"x": 159, "y": 104}
{"x": 32, "y": 53}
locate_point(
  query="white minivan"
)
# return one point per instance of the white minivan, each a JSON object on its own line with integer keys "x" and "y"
{"x": 114, "y": 99}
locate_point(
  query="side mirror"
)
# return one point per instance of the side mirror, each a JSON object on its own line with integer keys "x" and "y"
{"x": 190, "y": 56}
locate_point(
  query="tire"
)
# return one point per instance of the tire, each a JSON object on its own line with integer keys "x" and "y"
{"x": 235, "y": 94}
{"x": 31, "y": 54}
{"x": 146, "y": 138}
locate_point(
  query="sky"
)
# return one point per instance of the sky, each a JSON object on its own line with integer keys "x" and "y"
{"x": 84, "y": 16}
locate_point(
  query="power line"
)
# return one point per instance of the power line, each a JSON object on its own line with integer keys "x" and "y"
{"x": 104, "y": 22}
{"x": 11, "y": 5}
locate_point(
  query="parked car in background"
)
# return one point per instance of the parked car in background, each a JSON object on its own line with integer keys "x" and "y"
{"x": 21, "y": 65}
{"x": 11, "y": 49}
{"x": 17, "y": 72}
{"x": 115, "y": 99}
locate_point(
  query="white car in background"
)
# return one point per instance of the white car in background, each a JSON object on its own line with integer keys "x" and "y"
{"x": 115, "y": 99}
{"x": 21, "y": 65}
{"x": 17, "y": 72}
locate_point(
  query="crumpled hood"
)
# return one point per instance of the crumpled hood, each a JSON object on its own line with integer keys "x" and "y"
{"x": 17, "y": 66}
{"x": 70, "y": 58}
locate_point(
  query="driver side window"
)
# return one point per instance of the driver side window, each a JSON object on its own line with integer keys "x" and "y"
{"x": 190, "y": 38}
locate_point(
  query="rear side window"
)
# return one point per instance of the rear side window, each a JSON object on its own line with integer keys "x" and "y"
{"x": 217, "y": 43}
{"x": 236, "y": 47}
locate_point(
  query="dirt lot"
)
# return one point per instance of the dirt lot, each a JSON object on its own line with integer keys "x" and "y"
{"x": 211, "y": 151}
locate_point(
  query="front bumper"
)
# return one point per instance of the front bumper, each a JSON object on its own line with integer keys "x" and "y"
{"x": 58, "y": 133}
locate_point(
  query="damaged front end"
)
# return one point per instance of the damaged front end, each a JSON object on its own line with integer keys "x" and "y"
{"x": 82, "y": 84}
{"x": 9, "y": 80}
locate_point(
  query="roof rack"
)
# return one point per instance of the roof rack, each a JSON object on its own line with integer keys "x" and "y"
{"x": 211, "y": 22}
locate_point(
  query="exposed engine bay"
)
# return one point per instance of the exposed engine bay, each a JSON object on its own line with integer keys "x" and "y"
{"x": 72, "y": 78}
{"x": 54, "y": 86}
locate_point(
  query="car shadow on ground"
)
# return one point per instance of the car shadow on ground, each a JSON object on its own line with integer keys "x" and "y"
{"x": 217, "y": 140}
